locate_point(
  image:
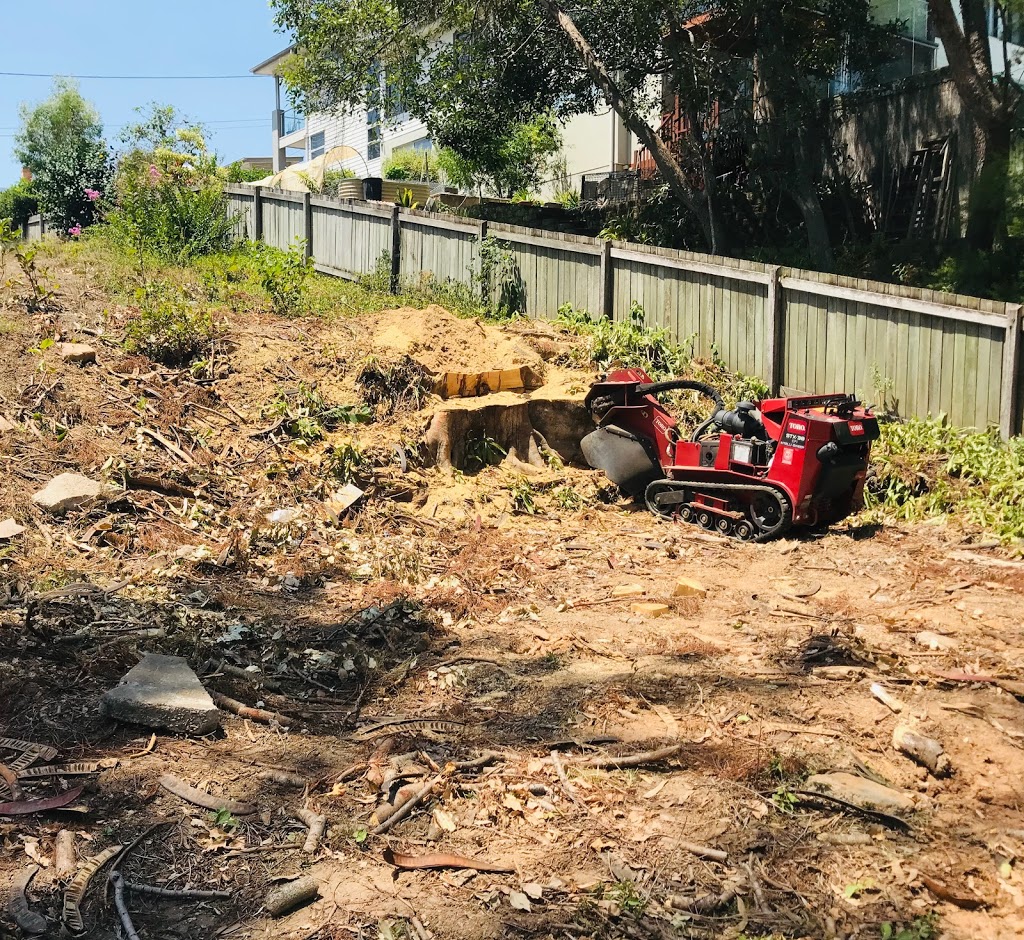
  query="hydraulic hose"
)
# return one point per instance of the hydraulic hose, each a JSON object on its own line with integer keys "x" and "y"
{"x": 671, "y": 385}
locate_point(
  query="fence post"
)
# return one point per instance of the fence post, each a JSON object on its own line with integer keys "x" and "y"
{"x": 483, "y": 275}
{"x": 257, "y": 213}
{"x": 307, "y": 224}
{"x": 776, "y": 344}
{"x": 1009, "y": 417}
{"x": 396, "y": 248}
{"x": 607, "y": 281}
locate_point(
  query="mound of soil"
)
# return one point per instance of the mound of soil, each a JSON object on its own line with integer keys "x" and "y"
{"x": 465, "y": 356}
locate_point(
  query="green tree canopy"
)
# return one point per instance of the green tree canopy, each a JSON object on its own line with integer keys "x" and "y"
{"x": 476, "y": 72}
{"x": 61, "y": 142}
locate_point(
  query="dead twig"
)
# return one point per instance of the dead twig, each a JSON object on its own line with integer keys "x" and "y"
{"x": 630, "y": 760}
{"x": 408, "y": 806}
{"x": 168, "y": 445}
{"x": 122, "y": 909}
{"x": 703, "y": 851}
{"x": 705, "y": 904}
{"x": 570, "y": 791}
{"x": 254, "y": 714}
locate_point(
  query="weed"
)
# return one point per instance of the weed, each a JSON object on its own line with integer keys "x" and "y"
{"x": 629, "y": 900}
{"x": 390, "y": 387}
{"x": 482, "y": 450}
{"x": 785, "y": 800}
{"x": 223, "y": 819}
{"x": 500, "y": 283}
{"x": 41, "y": 292}
{"x": 925, "y": 468}
{"x": 379, "y": 280}
{"x": 343, "y": 460}
{"x": 921, "y": 928}
{"x": 169, "y": 328}
{"x": 523, "y": 497}
{"x": 284, "y": 275}
{"x": 306, "y": 415}
{"x": 568, "y": 498}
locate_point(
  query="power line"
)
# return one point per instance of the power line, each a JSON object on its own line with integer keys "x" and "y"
{"x": 128, "y": 78}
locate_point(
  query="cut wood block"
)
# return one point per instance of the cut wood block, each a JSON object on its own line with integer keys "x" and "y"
{"x": 629, "y": 590}
{"x": 649, "y": 610}
{"x": 685, "y": 587}
{"x": 475, "y": 384}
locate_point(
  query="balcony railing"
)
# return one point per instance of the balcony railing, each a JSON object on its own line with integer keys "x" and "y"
{"x": 292, "y": 121}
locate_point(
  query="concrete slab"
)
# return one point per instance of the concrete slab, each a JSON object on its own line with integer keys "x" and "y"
{"x": 163, "y": 692}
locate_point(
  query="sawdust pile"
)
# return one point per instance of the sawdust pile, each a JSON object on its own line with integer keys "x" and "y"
{"x": 442, "y": 342}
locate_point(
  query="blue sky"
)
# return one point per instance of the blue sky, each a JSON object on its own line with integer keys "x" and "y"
{"x": 140, "y": 37}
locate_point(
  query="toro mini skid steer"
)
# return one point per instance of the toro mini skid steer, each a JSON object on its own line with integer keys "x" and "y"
{"x": 751, "y": 473}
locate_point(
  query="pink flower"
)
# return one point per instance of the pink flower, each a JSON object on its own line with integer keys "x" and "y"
{"x": 75, "y": 231}
{"x": 92, "y": 194}
{"x": 154, "y": 172}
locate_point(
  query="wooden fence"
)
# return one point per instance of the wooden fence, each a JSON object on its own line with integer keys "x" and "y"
{"x": 938, "y": 353}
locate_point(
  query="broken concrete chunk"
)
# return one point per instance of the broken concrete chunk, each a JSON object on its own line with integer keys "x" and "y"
{"x": 163, "y": 692}
{"x": 78, "y": 353}
{"x": 629, "y": 590}
{"x": 9, "y": 529}
{"x": 935, "y": 641}
{"x": 68, "y": 491}
{"x": 867, "y": 794}
{"x": 649, "y": 610}
{"x": 344, "y": 498}
{"x": 686, "y": 587}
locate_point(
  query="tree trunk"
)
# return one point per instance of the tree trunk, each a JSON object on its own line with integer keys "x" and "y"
{"x": 986, "y": 216}
{"x": 673, "y": 174}
{"x": 991, "y": 105}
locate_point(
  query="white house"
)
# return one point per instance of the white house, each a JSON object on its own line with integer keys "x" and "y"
{"x": 592, "y": 143}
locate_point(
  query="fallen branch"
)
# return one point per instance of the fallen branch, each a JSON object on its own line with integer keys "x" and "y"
{"x": 208, "y": 801}
{"x": 17, "y": 904}
{"x": 122, "y": 909}
{"x": 316, "y": 825}
{"x": 283, "y": 778}
{"x": 705, "y": 904}
{"x": 188, "y": 894}
{"x": 247, "y": 711}
{"x": 408, "y": 806}
{"x": 64, "y": 856}
{"x": 894, "y": 822}
{"x": 441, "y": 860}
{"x": 703, "y": 851}
{"x": 288, "y": 896}
{"x": 631, "y": 760}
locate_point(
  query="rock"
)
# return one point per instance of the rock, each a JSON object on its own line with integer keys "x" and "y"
{"x": 629, "y": 590}
{"x": 67, "y": 491}
{"x": 163, "y": 692}
{"x": 78, "y": 353}
{"x": 935, "y": 641}
{"x": 924, "y": 750}
{"x": 685, "y": 587}
{"x": 867, "y": 794}
{"x": 344, "y": 499}
{"x": 649, "y": 610}
{"x": 9, "y": 529}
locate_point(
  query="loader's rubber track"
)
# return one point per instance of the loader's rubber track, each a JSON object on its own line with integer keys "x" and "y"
{"x": 767, "y": 515}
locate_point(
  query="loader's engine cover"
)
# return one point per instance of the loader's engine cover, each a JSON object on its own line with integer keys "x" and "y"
{"x": 752, "y": 472}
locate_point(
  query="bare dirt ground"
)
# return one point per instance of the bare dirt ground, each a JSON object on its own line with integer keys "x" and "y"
{"x": 438, "y": 599}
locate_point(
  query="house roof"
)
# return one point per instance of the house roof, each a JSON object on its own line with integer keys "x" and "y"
{"x": 269, "y": 67}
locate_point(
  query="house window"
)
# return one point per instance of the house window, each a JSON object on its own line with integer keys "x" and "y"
{"x": 1005, "y": 22}
{"x": 316, "y": 145}
{"x": 372, "y": 134}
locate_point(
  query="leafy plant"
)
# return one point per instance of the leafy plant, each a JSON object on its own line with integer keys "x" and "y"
{"x": 420, "y": 165}
{"x": 307, "y": 416}
{"x": 523, "y": 497}
{"x": 392, "y": 386}
{"x": 18, "y": 203}
{"x": 223, "y": 819}
{"x": 39, "y": 292}
{"x": 407, "y": 199}
{"x": 921, "y": 928}
{"x": 568, "y": 498}
{"x": 499, "y": 280}
{"x": 482, "y": 450}
{"x": 284, "y": 275}
{"x": 568, "y": 198}
{"x": 628, "y": 898}
{"x": 785, "y": 800}
{"x": 343, "y": 460}
{"x": 169, "y": 327}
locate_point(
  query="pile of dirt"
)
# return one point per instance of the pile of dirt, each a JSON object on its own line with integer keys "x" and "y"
{"x": 464, "y": 356}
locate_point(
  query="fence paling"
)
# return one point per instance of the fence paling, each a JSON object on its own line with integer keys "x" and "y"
{"x": 960, "y": 356}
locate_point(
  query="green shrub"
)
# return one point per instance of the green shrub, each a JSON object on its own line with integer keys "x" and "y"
{"x": 925, "y": 468}
{"x": 284, "y": 275}
{"x": 171, "y": 203}
{"x": 236, "y": 173}
{"x": 18, "y": 203}
{"x": 169, "y": 328}
{"x": 418, "y": 165}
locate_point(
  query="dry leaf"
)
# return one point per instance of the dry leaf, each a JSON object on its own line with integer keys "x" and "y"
{"x": 533, "y": 891}
{"x": 444, "y": 820}
{"x": 656, "y": 789}
{"x": 520, "y": 901}
{"x": 512, "y": 802}
{"x": 32, "y": 851}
